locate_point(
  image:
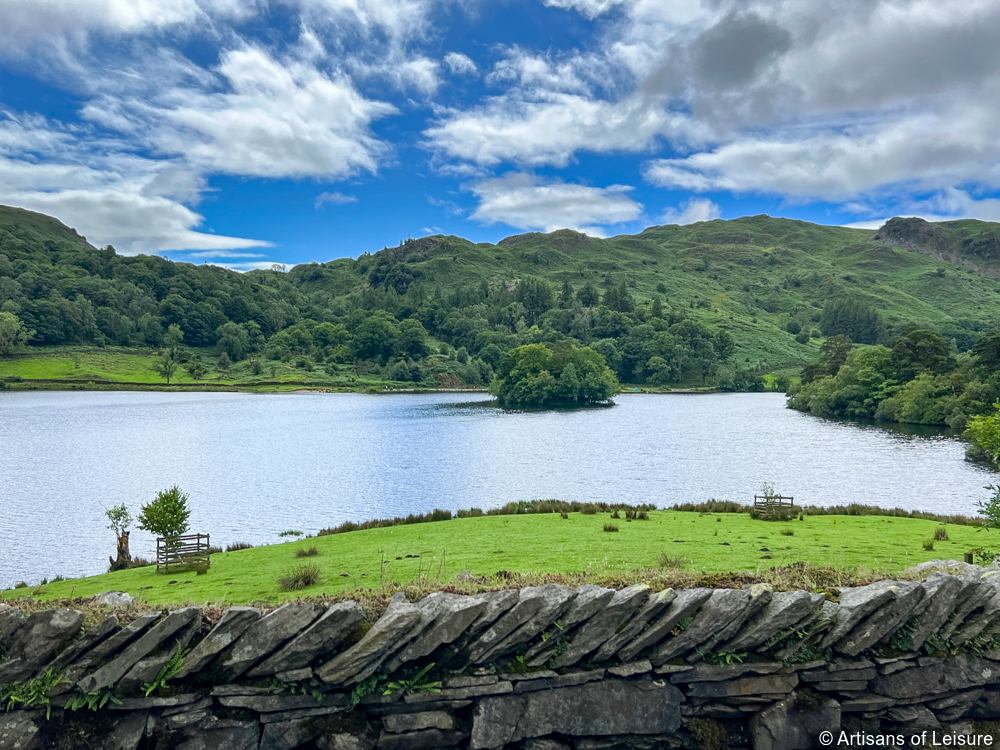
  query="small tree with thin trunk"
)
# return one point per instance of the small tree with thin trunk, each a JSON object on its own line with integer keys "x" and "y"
{"x": 166, "y": 365}
{"x": 119, "y": 520}
{"x": 167, "y": 516}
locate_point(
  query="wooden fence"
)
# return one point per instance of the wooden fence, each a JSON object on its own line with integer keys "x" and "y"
{"x": 774, "y": 505}
{"x": 189, "y": 552}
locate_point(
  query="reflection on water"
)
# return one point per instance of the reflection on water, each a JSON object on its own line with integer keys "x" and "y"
{"x": 255, "y": 465}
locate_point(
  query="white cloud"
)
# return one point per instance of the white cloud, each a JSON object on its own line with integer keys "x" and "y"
{"x": 525, "y": 202}
{"x": 588, "y": 8}
{"x": 110, "y": 197}
{"x": 274, "y": 118}
{"x": 928, "y": 150}
{"x": 219, "y": 254}
{"x": 460, "y": 64}
{"x": 691, "y": 211}
{"x": 334, "y": 199}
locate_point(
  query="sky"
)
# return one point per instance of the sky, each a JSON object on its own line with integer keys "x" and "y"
{"x": 253, "y": 132}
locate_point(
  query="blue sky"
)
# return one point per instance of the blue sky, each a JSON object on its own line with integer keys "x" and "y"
{"x": 248, "y": 133}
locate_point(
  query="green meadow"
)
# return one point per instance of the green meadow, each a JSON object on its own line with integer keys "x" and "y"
{"x": 435, "y": 554}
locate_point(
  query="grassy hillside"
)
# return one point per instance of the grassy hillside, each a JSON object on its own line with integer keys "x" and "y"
{"x": 764, "y": 281}
{"x": 544, "y": 543}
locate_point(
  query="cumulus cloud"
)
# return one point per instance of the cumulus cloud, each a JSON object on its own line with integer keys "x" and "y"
{"x": 110, "y": 197}
{"x": 524, "y": 201}
{"x": 691, "y": 211}
{"x": 334, "y": 199}
{"x": 460, "y": 64}
{"x": 273, "y": 118}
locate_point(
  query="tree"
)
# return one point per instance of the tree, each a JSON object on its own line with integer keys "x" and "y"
{"x": 167, "y": 516}
{"x": 119, "y": 521}
{"x": 412, "y": 339}
{"x": 588, "y": 295}
{"x": 920, "y": 350}
{"x": 166, "y": 365}
{"x": 234, "y": 341}
{"x": 984, "y": 431}
{"x": 13, "y": 333}
{"x": 535, "y": 375}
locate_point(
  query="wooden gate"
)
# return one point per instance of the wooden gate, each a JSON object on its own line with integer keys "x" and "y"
{"x": 189, "y": 552}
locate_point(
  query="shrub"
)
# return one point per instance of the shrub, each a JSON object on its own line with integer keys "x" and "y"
{"x": 589, "y": 510}
{"x": 20, "y": 585}
{"x": 470, "y": 513}
{"x": 290, "y": 532}
{"x": 642, "y": 516}
{"x": 140, "y": 562}
{"x": 668, "y": 561}
{"x": 610, "y": 527}
{"x": 564, "y": 514}
{"x": 299, "y": 578}
{"x": 616, "y": 514}
{"x": 787, "y": 532}
{"x": 238, "y": 546}
{"x": 307, "y": 552}
{"x": 941, "y": 534}
{"x": 929, "y": 545}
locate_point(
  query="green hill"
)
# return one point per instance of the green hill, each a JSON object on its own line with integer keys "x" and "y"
{"x": 653, "y": 304}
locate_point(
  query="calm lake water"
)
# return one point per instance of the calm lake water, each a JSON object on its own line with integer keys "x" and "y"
{"x": 255, "y": 465}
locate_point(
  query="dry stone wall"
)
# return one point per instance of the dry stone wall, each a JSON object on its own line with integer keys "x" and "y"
{"x": 542, "y": 668}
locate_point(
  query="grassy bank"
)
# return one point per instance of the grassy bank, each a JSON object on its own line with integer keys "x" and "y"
{"x": 90, "y": 368}
{"x": 670, "y": 543}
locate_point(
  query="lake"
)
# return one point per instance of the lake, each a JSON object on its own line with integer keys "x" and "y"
{"x": 255, "y": 465}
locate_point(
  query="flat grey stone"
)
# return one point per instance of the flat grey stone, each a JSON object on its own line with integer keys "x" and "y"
{"x": 20, "y": 730}
{"x": 317, "y": 642}
{"x": 295, "y": 675}
{"x": 866, "y": 704}
{"x": 720, "y": 609}
{"x": 937, "y": 676}
{"x": 543, "y": 743}
{"x": 655, "y": 605}
{"x": 841, "y": 686}
{"x": 605, "y": 708}
{"x": 941, "y": 594}
{"x": 824, "y": 675}
{"x": 884, "y": 621}
{"x": 458, "y": 694}
{"x": 498, "y": 603}
{"x": 417, "y": 721}
{"x": 856, "y": 604}
{"x": 142, "y": 704}
{"x": 114, "y": 599}
{"x": 773, "y": 684}
{"x": 785, "y": 610}
{"x": 299, "y": 714}
{"x": 113, "y": 671}
{"x": 425, "y": 739}
{"x": 720, "y": 672}
{"x": 914, "y": 717}
{"x": 563, "y": 680}
{"x": 792, "y": 724}
{"x": 110, "y": 645}
{"x": 603, "y": 625}
{"x": 283, "y": 702}
{"x": 231, "y": 626}
{"x": 685, "y": 604}
{"x": 462, "y": 681}
{"x": 388, "y": 633}
{"x": 266, "y": 635}
{"x": 537, "y": 608}
{"x": 443, "y": 619}
{"x": 39, "y": 638}
{"x": 631, "y": 668}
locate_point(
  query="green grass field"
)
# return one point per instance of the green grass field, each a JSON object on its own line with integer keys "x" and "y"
{"x": 91, "y": 368}
{"x": 539, "y": 543}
